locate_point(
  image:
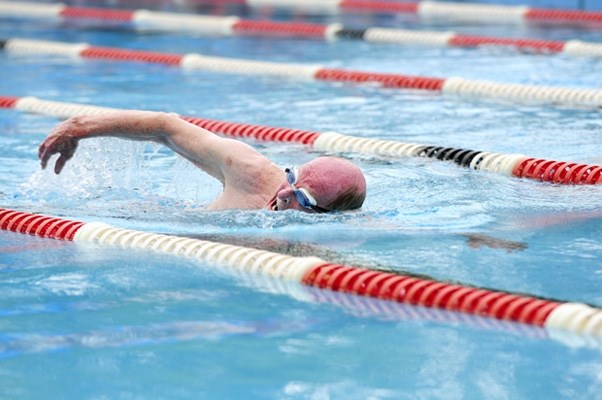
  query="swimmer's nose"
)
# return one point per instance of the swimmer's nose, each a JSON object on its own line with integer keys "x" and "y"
{"x": 286, "y": 194}
{"x": 284, "y": 198}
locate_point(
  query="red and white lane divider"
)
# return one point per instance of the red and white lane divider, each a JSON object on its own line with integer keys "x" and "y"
{"x": 426, "y": 10}
{"x": 232, "y": 25}
{"x": 474, "y": 89}
{"x": 312, "y": 271}
{"x": 560, "y": 172}
{"x": 440, "y": 11}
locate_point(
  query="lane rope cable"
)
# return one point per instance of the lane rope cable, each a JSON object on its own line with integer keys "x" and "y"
{"x": 572, "y": 317}
{"x": 429, "y": 10}
{"x": 234, "y": 26}
{"x": 464, "y": 88}
{"x": 517, "y": 165}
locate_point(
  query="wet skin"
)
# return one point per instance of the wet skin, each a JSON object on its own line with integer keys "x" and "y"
{"x": 249, "y": 179}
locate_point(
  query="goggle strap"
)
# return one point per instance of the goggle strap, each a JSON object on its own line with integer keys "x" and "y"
{"x": 292, "y": 174}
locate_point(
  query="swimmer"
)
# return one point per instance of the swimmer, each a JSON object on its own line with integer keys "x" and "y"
{"x": 250, "y": 180}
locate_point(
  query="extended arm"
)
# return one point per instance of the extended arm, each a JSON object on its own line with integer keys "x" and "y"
{"x": 213, "y": 154}
{"x": 64, "y": 138}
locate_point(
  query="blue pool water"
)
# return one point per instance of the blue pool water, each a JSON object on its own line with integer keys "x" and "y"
{"x": 83, "y": 321}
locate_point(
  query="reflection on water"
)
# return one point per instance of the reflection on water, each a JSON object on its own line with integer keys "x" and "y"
{"x": 17, "y": 344}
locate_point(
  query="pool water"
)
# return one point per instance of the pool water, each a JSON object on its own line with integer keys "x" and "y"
{"x": 86, "y": 321}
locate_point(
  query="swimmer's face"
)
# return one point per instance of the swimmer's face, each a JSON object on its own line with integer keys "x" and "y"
{"x": 324, "y": 184}
{"x": 301, "y": 191}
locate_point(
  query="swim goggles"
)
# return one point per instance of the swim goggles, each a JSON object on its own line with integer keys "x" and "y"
{"x": 304, "y": 198}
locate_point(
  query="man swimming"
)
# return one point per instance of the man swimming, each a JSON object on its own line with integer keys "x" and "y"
{"x": 250, "y": 180}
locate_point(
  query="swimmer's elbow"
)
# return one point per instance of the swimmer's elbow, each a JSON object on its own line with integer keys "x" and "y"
{"x": 166, "y": 125}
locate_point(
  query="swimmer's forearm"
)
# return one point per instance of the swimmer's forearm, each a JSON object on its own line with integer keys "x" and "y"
{"x": 167, "y": 129}
{"x": 207, "y": 151}
{"x": 132, "y": 125}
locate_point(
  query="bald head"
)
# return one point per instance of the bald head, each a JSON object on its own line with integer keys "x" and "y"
{"x": 337, "y": 184}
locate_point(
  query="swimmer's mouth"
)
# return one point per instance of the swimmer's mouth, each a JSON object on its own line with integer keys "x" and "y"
{"x": 273, "y": 205}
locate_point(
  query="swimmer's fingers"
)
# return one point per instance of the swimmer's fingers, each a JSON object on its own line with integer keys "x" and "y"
{"x": 60, "y": 163}
{"x": 67, "y": 151}
{"x": 65, "y": 146}
{"x": 44, "y": 153}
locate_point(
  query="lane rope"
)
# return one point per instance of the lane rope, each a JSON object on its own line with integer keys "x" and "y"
{"x": 518, "y": 165}
{"x": 429, "y": 10}
{"x": 314, "y": 272}
{"x": 232, "y": 25}
{"x": 460, "y": 87}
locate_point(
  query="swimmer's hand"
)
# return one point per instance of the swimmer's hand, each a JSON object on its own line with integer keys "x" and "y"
{"x": 63, "y": 140}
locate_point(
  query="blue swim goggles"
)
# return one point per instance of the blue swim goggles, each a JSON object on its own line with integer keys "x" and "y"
{"x": 304, "y": 198}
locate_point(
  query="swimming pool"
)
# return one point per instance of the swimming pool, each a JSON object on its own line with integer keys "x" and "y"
{"x": 84, "y": 321}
